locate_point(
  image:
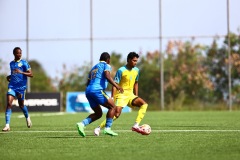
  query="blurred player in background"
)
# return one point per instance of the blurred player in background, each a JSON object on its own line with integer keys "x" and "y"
{"x": 98, "y": 79}
{"x": 127, "y": 78}
{"x": 20, "y": 70}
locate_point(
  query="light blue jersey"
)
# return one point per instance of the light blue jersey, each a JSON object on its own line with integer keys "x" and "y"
{"x": 98, "y": 83}
{"x": 97, "y": 78}
{"x": 18, "y": 81}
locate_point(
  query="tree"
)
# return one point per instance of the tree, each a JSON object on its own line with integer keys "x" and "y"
{"x": 40, "y": 81}
{"x": 149, "y": 80}
{"x": 4, "y": 84}
{"x": 186, "y": 75}
{"x": 218, "y": 62}
{"x": 73, "y": 80}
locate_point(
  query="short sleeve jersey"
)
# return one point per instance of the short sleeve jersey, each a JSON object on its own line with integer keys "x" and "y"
{"x": 18, "y": 80}
{"x": 97, "y": 78}
{"x": 126, "y": 78}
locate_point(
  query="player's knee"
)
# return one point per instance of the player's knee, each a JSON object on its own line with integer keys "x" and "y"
{"x": 21, "y": 106}
{"x": 144, "y": 107}
{"x": 9, "y": 105}
{"x": 117, "y": 115}
{"x": 98, "y": 115}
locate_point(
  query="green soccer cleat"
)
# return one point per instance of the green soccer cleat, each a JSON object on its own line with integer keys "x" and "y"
{"x": 80, "y": 128}
{"x": 108, "y": 131}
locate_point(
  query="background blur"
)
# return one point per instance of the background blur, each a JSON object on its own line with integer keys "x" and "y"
{"x": 187, "y": 61}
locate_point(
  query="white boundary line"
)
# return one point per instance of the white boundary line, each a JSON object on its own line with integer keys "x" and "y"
{"x": 158, "y": 131}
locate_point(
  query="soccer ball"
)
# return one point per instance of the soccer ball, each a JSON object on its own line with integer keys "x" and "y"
{"x": 146, "y": 129}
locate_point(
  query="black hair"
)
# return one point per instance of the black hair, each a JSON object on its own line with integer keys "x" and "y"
{"x": 131, "y": 55}
{"x": 15, "y": 49}
{"x": 104, "y": 56}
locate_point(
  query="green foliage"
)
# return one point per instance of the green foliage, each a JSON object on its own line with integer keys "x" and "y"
{"x": 73, "y": 80}
{"x": 217, "y": 62}
{"x": 3, "y": 84}
{"x": 149, "y": 80}
{"x": 185, "y": 73}
{"x": 3, "y": 91}
{"x": 40, "y": 81}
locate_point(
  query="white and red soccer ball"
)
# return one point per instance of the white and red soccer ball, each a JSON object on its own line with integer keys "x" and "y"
{"x": 146, "y": 129}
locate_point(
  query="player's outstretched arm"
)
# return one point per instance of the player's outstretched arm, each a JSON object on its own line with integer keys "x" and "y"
{"x": 135, "y": 89}
{"x": 27, "y": 73}
{"x": 114, "y": 89}
{"x": 110, "y": 80}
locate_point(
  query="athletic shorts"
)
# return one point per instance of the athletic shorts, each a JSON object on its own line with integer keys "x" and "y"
{"x": 125, "y": 100}
{"x": 18, "y": 94}
{"x": 97, "y": 97}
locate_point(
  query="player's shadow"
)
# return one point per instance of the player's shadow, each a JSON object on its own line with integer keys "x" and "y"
{"x": 190, "y": 126}
{"x": 70, "y": 137}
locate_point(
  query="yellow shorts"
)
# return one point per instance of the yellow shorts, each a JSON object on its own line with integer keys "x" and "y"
{"x": 124, "y": 100}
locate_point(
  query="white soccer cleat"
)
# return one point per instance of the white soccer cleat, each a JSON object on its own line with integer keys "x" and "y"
{"x": 137, "y": 129}
{"x": 6, "y": 129}
{"x": 97, "y": 131}
{"x": 29, "y": 122}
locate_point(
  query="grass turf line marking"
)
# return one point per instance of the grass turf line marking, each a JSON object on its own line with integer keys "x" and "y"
{"x": 158, "y": 131}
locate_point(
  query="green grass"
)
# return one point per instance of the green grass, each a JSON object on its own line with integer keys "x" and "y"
{"x": 210, "y": 135}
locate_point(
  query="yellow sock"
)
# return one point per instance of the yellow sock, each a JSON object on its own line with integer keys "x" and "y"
{"x": 102, "y": 125}
{"x": 141, "y": 113}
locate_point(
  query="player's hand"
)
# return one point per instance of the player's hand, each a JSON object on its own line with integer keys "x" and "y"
{"x": 120, "y": 89}
{"x": 17, "y": 71}
{"x": 8, "y": 78}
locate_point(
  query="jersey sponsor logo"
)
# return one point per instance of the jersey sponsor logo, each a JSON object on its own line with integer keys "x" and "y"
{"x": 20, "y": 64}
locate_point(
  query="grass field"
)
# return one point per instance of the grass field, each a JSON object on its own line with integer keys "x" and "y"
{"x": 210, "y": 135}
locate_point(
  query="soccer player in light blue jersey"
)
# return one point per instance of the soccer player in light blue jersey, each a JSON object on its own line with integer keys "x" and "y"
{"x": 20, "y": 70}
{"x": 127, "y": 77}
{"x": 98, "y": 79}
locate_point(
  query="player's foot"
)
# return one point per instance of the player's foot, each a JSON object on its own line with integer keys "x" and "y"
{"x": 108, "y": 131}
{"x": 97, "y": 131}
{"x": 137, "y": 129}
{"x": 29, "y": 122}
{"x": 80, "y": 128}
{"x": 6, "y": 129}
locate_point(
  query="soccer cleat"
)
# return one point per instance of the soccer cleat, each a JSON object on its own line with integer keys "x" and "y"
{"x": 97, "y": 131}
{"x": 138, "y": 130}
{"x": 6, "y": 129}
{"x": 108, "y": 131}
{"x": 80, "y": 128}
{"x": 29, "y": 122}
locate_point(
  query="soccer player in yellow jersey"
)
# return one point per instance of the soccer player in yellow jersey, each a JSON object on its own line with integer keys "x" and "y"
{"x": 127, "y": 78}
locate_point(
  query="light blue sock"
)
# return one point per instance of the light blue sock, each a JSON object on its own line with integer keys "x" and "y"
{"x": 87, "y": 121}
{"x": 25, "y": 111}
{"x": 8, "y": 114}
{"x": 109, "y": 122}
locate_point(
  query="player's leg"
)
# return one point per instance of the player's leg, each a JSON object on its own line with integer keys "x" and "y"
{"x": 8, "y": 112}
{"x": 109, "y": 117}
{"x": 91, "y": 118}
{"x": 139, "y": 102}
{"x": 21, "y": 97}
{"x": 118, "y": 110}
{"x": 92, "y": 98}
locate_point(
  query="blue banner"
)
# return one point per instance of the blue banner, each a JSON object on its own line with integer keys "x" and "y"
{"x": 77, "y": 102}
